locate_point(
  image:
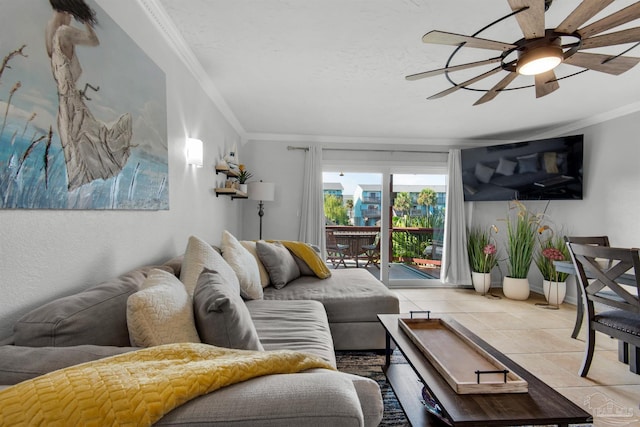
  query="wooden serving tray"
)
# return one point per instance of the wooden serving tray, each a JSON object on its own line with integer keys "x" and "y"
{"x": 464, "y": 365}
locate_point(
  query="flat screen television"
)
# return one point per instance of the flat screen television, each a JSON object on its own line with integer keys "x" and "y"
{"x": 546, "y": 169}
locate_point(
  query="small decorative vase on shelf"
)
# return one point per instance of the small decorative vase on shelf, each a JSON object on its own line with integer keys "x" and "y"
{"x": 554, "y": 292}
{"x": 481, "y": 281}
{"x": 243, "y": 188}
{"x": 517, "y": 289}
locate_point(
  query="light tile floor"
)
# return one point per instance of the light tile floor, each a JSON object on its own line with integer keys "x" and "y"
{"x": 540, "y": 341}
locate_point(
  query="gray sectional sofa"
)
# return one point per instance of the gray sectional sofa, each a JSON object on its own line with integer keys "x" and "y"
{"x": 309, "y": 314}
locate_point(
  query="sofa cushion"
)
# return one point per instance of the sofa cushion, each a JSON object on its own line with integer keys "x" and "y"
{"x": 279, "y": 263}
{"x": 349, "y": 295}
{"x": 200, "y": 255}
{"x": 19, "y": 364}
{"x": 96, "y": 316}
{"x": 321, "y": 398}
{"x": 293, "y": 325}
{"x": 222, "y": 319}
{"x": 244, "y": 265}
{"x": 161, "y": 313}
{"x": 264, "y": 274}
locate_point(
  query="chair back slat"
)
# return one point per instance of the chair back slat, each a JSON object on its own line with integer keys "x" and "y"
{"x": 594, "y": 277}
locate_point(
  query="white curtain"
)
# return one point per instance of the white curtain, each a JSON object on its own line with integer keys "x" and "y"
{"x": 455, "y": 261}
{"x": 312, "y": 211}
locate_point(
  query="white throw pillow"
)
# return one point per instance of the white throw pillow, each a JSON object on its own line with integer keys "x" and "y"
{"x": 161, "y": 313}
{"x": 200, "y": 254}
{"x": 264, "y": 274}
{"x": 244, "y": 264}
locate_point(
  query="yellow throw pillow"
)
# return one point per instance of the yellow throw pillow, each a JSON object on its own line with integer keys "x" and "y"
{"x": 309, "y": 256}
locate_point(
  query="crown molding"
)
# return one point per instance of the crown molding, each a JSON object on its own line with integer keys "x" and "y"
{"x": 590, "y": 121}
{"x": 167, "y": 28}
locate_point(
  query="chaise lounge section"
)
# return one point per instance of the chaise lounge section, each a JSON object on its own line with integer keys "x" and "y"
{"x": 309, "y": 316}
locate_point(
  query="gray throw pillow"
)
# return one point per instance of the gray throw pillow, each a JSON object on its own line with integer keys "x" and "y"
{"x": 484, "y": 173}
{"x": 506, "y": 167}
{"x": 222, "y": 318}
{"x": 528, "y": 164}
{"x": 279, "y": 263}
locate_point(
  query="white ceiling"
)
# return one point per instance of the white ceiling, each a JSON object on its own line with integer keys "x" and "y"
{"x": 334, "y": 70}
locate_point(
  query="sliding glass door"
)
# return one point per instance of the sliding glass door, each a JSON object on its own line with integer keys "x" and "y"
{"x": 386, "y": 221}
{"x": 416, "y": 227}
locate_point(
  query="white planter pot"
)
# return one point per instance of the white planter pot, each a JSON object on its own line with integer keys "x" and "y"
{"x": 517, "y": 289}
{"x": 481, "y": 281}
{"x": 243, "y": 188}
{"x": 554, "y": 292}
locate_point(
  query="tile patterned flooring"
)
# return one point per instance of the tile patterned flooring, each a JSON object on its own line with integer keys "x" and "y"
{"x": 540, "y": 340}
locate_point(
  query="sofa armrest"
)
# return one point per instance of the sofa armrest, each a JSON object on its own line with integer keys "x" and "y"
{"x": 19, "y": 364}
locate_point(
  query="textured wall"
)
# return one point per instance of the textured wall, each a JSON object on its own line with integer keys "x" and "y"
{"x": 46, "y": 253}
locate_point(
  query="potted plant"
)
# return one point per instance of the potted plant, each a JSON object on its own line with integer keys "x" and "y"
{"x": 483, "y": 256}
{"x": 522, "y": 227}
{"x": 554, "y": 284}
{"x": 243, "y": 177}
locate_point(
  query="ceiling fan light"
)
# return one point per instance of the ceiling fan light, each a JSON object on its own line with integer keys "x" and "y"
{"x": 539, "y": 60}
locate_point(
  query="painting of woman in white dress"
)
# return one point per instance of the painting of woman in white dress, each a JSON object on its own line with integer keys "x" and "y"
{"x": 82, "y": 111}
{"x": 91, "y": 148}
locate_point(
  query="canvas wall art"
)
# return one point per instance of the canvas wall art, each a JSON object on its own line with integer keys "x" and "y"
{"x": 82, "y": 111}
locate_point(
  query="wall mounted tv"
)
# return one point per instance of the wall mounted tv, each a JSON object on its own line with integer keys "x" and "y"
{"x": 547, "y": 169}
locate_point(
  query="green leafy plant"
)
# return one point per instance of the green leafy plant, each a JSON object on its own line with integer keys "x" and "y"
{"x": 522, "y": 227}
{"x": 243, "y": 175}
{"x": 482, "y": 250}
{"x": 551, "y": 249}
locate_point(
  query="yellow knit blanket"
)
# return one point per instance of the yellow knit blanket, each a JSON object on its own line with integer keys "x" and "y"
{"x": 138, "y": 388}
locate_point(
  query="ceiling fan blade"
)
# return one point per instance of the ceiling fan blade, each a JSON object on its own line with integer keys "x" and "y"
{"x": 451, "y": 39}
{"x": 531, "y": 20}
{"x": 546, "y": 83}
{"x": 581, "y": 14}
{"x": 631, "y": 35}
{"x": 622, "y": 16}
{"x": 454, "y": 68}
{"x": 467, "y": 83}
{"x": 494, "y": 91}
{"x": 596, "y": 62}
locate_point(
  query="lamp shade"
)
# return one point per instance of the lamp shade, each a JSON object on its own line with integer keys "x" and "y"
{"x": 539, "y": 60}
{"x": 264, "y": 191}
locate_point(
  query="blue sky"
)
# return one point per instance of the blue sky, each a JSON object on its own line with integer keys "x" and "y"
{"x": 350, "y": 180}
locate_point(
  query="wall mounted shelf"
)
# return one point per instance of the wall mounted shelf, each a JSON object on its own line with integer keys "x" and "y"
{"x": 235, "y": 194}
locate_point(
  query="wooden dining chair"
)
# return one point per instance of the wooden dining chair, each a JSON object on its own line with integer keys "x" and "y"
{"x": 583, "y": 240}
{"x": 336, "y": 252}
{"x": 372, "y": 252}
{"x": 621, "y": 318}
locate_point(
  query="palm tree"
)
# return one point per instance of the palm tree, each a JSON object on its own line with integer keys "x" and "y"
{"x": 427, "y": 197}
{"x": 402, "y": 203}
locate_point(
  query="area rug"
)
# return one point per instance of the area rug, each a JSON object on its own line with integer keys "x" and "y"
{"x": 369, "y": 364}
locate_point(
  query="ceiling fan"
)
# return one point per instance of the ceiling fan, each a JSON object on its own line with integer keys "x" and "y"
{"x": 541, "y": 50}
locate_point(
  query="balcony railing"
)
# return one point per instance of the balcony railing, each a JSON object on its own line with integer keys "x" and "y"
{"x": 373, "y": 200}
{"x": 406, "y": 242}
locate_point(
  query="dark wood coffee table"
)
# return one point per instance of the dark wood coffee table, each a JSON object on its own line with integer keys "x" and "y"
{"x": 541, "y": 405}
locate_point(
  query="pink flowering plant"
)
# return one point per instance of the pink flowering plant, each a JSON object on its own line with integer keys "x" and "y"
{"x": 482, "y": 250}
{"x": 552, "y": 248}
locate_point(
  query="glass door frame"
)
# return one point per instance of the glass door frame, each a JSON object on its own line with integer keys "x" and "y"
{"x": 387, "y": 170}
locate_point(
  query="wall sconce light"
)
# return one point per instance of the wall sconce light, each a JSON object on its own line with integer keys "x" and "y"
{"x": 194, "y": 152}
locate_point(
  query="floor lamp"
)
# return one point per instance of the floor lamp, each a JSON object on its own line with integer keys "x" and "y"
{"x": 263, "y": 192}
